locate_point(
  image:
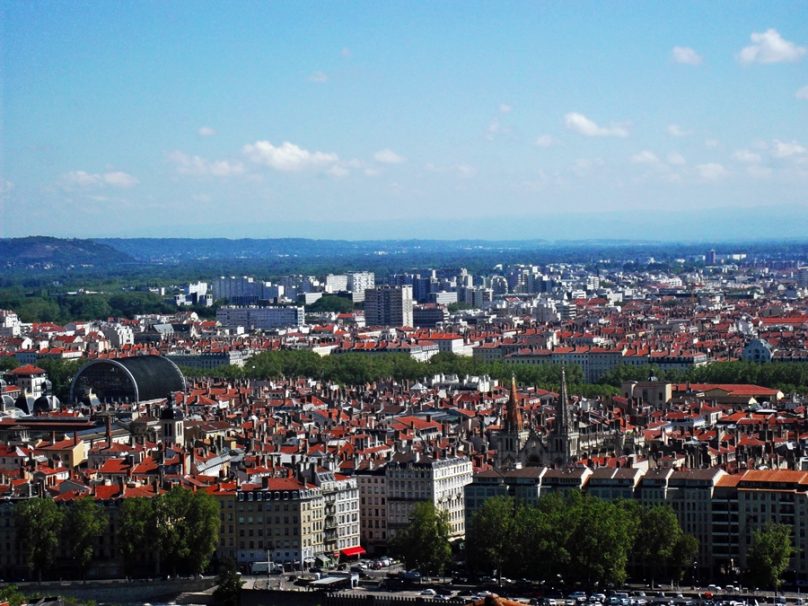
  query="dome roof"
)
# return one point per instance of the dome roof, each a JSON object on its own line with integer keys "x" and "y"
{"x": 132, "y": 379}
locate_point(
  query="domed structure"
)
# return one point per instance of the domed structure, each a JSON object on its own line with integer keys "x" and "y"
{"x": 134, "y": 379}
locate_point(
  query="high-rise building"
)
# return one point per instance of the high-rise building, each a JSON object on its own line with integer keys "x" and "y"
{"x": 359, "y": 282}
{"x": 389, "y": 306}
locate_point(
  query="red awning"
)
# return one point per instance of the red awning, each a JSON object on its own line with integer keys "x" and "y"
{"x": 352, "y": 551}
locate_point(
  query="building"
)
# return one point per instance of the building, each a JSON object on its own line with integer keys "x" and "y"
{"x": 134, "y": 379}
{"x": 261, "y": 317}
{"x": 389, "y": 306}
{"x": 413, "y": 478}
{"x": 280, "y": 520}
{"x": 359, "y": 282}
{"x": 372, "y": 485}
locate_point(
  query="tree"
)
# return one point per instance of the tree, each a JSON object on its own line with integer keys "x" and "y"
{"x": 85, "y": 521}
{"x": 684, "y": 555}
{"x": 135, "y": 530}
{"x": 769, "y": 554}
{"x": 228, "y": 585}
{"x": 600, "y": 543}
{"x": 424, "y": 542}
{"x": 38, "y": 524}
{"x": 657, "y": 537}
{"x": 182, "y": 526}
{"x": 8, "y": 363}
{"x": 12, "y": 595}
{"x": 490, "y": 537}
{"x": 189, "y": 520}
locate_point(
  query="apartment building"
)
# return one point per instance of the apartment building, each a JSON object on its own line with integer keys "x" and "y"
{"x": 282, "y": 520}
{"x": 414, "y": 478}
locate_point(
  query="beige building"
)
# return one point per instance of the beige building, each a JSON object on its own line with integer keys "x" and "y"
{"x": 281, "y": 521}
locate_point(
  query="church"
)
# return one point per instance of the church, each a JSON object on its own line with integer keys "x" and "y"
{"x": 520, "y": 446}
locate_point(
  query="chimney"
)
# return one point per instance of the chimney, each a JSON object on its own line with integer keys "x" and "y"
{"x": 108, "y": 420}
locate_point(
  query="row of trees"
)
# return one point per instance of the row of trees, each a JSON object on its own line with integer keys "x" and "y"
{"x": 357, "y": 369}
{"x": 787, "y": 377}
{"x": 176, "y": 531}
{"x": 577, "y": 540}
{"x": 42, "y": 305}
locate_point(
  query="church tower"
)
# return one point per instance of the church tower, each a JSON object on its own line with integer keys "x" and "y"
{"x": 564, "y": 443}
{"x": 512, "y": 437}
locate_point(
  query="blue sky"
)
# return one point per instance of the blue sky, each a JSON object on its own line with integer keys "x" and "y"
{"x": 402, "y": 119}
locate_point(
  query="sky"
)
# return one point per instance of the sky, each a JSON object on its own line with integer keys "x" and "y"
{"x": 567, "y": 119}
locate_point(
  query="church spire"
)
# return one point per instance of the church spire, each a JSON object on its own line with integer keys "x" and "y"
{"x": 513, "y": 416}
{"x": 562, "y": 425}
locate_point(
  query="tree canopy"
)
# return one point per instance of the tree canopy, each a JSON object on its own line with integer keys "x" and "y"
{"x": 769, "y": 554}
{"x": 424, "y": 542}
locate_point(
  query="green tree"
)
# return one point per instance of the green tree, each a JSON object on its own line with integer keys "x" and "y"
{"x": 683, "y": 556}
{"x": 85, "y": 521}
{"x": 190, "y": 522}
{"x": 769, "y": 554}
{"x": 228, "y": 585}
{"x": 136, "y": 530}
{"x": 489, "y": 541}
{"x": 657, "y": 536}
{"x": 8, "y": 363}
{"x": 12, "y": 595}
{"x": 600, "y": 542}
{"x": 424, "y": 542}
{"x": 38, "y": 524}
{"x": 331, "y": 303}
{"x": 181, "y": 526}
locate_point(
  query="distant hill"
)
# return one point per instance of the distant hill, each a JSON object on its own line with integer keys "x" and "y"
{"x": 188, "y": 249}
{"x": 39, "y": 251}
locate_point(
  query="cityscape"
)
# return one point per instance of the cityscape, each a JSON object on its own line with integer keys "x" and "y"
{"x": 360, "y": 304}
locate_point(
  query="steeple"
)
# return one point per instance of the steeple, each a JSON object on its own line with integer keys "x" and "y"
{"x": 562, "y": 425}
{"x": 513, "y": 416}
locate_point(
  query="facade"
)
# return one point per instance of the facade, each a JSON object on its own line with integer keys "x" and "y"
{"x": 412, "y": 478}
{"x": 261, "y": 318}
{"x": 372, "y": 485}
{"x": 389, "y": 306}
{"x": 359, "y": 282}
{"x": 280, "y": 521}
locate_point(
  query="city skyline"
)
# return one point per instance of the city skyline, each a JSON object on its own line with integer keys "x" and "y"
{"x": 404, "y": 120}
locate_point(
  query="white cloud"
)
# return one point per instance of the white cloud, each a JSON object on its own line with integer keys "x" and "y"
{"x": 287, "y": 157}
{"x": 546, "y": 141}
{"x": 674, "y": 130}
{"x": 496, "y": 128}
{"x": 711, "y": 143}
{"x": 461, "y": 170}
{"x": 388, "y": 156}
{"x": 83, "y": 179}
{"x": 584, "y": 126}
{"x": 802, "y": 93}
{"x": 318, "y": 77}
{"x": 345, "y": 52}
{"x": 711, "y": 171}
{"x": 686, "y": 55}
{"x": 770, "y": 47}
{"x": 747, "y": 157}
{"x": 198, "y": 166}
{"x": 759, "y": 172}
{"x": 645, "y": 157}
{"x": 206, "y": 131}
{"x": 504, "y": 108}
{"x": 338, "y": 170}
{"x": 676, "y": 159}
{"x": 783, "y": 149}
{"x": 6, "y": 186}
